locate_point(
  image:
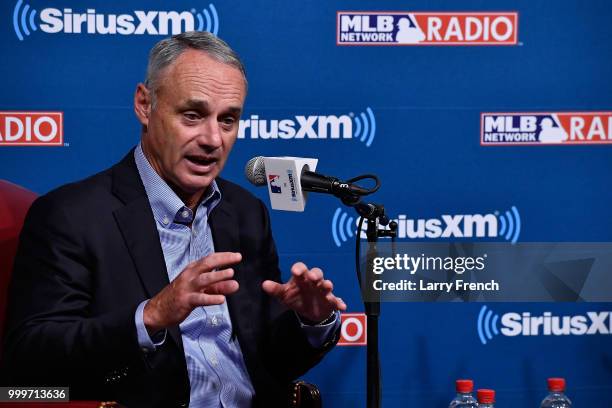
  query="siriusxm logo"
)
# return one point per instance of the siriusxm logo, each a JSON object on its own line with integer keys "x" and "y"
{"x": 361, "y": 127}
{"x": 138, "y": 22}
{"x": 524, "y": 324}
{"x": 342, "y": 226}
{"x": 503, "y": 225}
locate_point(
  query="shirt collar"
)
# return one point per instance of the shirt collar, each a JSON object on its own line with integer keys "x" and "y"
{"x": 166, "y": 205}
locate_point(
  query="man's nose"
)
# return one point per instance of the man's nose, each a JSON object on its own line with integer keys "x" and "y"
{"x": 210, "y": 134}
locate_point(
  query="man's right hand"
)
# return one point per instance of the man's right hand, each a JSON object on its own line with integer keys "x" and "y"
{"x": 202, "y": 283}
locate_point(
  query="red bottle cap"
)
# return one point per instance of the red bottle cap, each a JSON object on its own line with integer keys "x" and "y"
{"x": 464, "y": 386}
{"x": 486, "y": 396}
{"x": 556, "y": 384}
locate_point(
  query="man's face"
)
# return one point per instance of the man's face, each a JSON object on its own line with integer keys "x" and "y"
{"x": 194, "y": 123}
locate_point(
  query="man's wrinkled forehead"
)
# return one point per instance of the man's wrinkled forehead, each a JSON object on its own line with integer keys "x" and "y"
{"x": 196, "y": 69}
{"x": 193, "y": 62}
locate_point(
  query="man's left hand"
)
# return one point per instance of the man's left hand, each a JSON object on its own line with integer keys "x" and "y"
{"x": 307, "y": 293}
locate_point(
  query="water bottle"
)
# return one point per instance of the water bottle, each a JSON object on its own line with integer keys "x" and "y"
{"x": 464, "y": 398}
{"x": 556, "y": 397}
{"x": 486, "y": 398}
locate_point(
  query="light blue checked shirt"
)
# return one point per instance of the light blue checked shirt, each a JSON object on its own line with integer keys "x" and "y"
{"x": 217, "y": 372}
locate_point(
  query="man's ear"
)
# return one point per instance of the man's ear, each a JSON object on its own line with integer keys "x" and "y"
{"x": 142, "y": 104}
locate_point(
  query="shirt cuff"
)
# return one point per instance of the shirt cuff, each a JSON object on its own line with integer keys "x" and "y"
{"x": 320, "y": 334}
{"x": 144, "y": 340}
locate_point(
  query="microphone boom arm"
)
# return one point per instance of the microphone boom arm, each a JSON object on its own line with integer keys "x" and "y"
{"x": 344, "y": 190}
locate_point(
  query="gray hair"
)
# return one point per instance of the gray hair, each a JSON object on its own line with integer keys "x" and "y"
{"x": 165, "y": 52}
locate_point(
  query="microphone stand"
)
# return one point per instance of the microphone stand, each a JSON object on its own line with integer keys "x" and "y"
{"x": 375, "y": 216}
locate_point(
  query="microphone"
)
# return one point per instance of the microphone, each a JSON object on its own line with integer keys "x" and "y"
{"x": 282, "y": 175}
{"x": 290, "y": 178}
{"x": 255, "y": 171}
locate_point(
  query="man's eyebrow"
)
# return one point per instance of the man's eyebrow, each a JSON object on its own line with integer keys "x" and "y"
{"x": 202, "y": 106}
{"x": 195, "y": 104}
{"x": 235, "y": 110}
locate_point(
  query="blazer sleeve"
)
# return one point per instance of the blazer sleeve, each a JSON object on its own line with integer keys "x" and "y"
{"x": 51, "y": 335}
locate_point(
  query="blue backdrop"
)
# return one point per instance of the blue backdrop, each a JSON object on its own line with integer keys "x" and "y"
{"x": 411, "y": 114}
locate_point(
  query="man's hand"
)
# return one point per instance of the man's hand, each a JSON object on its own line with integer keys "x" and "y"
{"x": 203, "y": 282}
{"x": 307, "y": 293}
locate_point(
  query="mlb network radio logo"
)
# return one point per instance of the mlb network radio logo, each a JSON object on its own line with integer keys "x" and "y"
{"x": 31, "y": 129}
{"x": 354, "y": 329}
{"x": 501, "y": 225}
{"x": 426, "y": 28}
{"x": 525, "y": 324}
{"x": 360, "y": 126}
{"x": 27, "y": 20}
{"x": 545, "y": 128}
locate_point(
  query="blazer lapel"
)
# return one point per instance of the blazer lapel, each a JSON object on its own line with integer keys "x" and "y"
{"x": 137, "y": 225}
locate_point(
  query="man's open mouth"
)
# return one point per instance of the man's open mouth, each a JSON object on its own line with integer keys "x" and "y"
{"x": 201, "y": 160}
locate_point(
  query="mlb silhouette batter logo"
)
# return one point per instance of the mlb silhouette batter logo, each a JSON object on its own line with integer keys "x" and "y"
{"x": 551, "y": 132}
{"x": 408, "y": 31}
{"x": 274, "y": 182}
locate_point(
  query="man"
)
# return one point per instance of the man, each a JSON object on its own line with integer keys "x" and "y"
{"x": 156, "y": 283}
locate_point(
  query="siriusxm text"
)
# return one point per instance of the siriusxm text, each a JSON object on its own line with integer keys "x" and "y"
{"x": 140, "y": 22}
{"x": 524, "y": 324}
{"x": 447, "y": 226}
{"x": 298, "y": 127}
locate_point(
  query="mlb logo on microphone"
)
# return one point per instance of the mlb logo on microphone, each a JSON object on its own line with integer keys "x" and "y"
{"x": 545, "y": 128}
{"x": 274, "y": 181}
{"x": 354, "y": 329}
{"x": 426, "y": 28}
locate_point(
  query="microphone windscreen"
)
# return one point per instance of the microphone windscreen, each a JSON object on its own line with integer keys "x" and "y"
{"x": 255, "y": 171}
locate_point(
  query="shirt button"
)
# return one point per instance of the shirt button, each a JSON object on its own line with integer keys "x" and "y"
{"x": 185, "y": 214}
{"x": 214, "y": 321}
{"x": 166, "y": 220}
